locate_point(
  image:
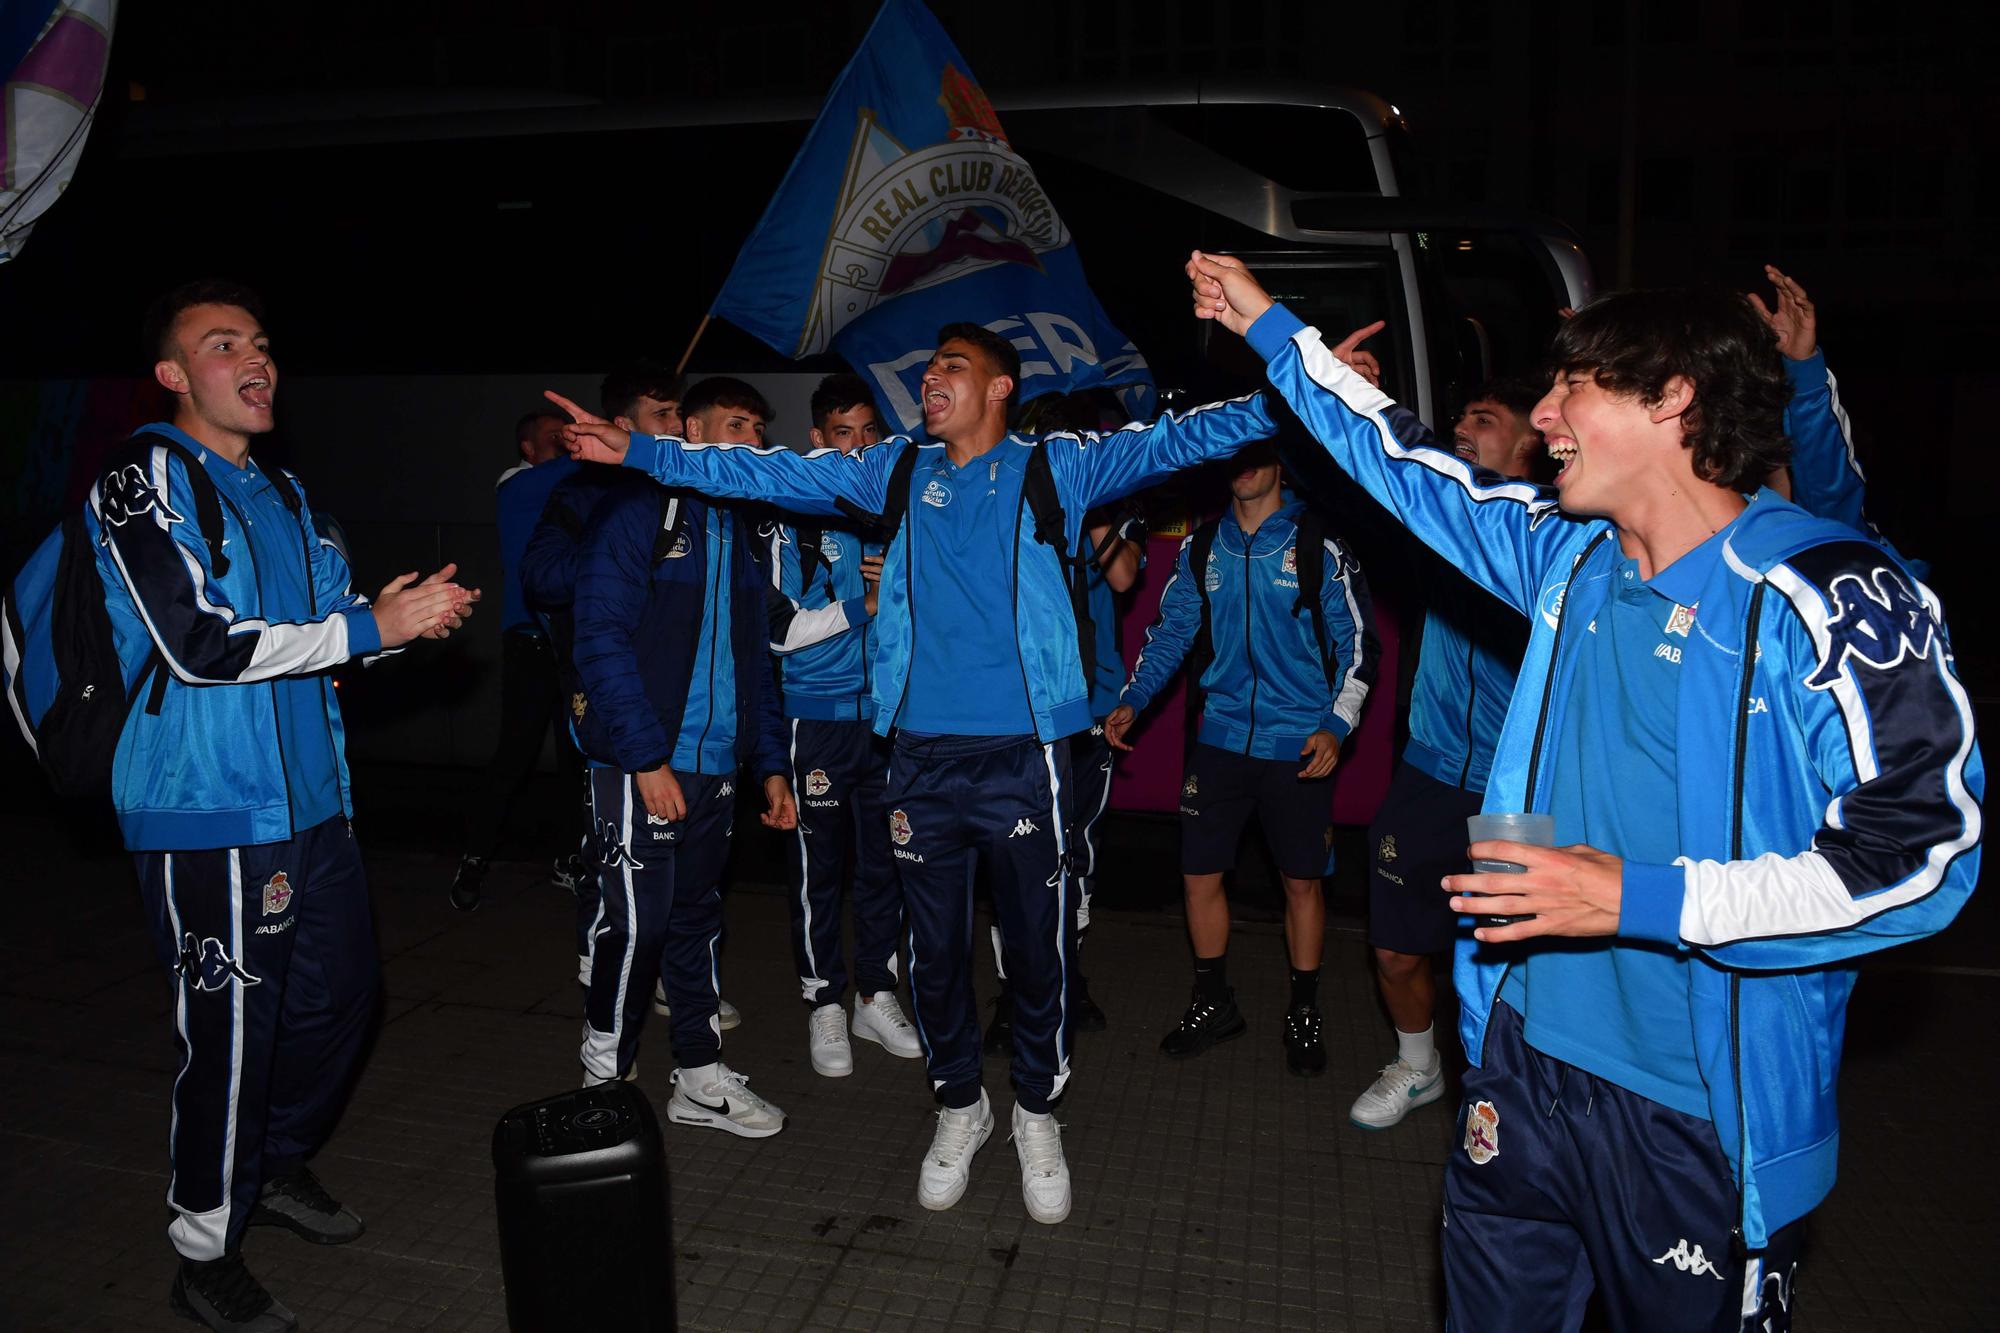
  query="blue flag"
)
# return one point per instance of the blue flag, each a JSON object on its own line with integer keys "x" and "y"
{"x": 906, "y": 210}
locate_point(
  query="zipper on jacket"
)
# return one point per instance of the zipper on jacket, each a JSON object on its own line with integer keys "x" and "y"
{"x": 1555, "y": 659}
{"x": 1249, "y": 657}
{"x": 1471, "y": 699}
{"x": 1014, "y": 606}
{"x": 277, "y": 732}
{"x": 714, "y": 592}
{"x": 909, "y": 531}
{"x": 1738, "y": 1239}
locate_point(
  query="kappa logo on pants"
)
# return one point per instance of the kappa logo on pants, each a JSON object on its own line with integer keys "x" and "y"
{"x": 616, "y": 853}
{"x": 1690, "y": 1261}
{"x": 1023, "y": 827}
{"x": 206, "y": 965}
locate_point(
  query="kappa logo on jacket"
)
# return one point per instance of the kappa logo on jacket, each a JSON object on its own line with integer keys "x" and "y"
{"x": 1880, "y": 625}
{"x": 128, "y": 493}
{"x": 206, "y": 966}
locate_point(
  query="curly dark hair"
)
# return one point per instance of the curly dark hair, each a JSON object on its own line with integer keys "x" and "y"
{"x": 1635, "y": 343}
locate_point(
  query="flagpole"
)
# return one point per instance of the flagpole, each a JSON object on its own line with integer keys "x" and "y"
{"x": 700, "y": 329}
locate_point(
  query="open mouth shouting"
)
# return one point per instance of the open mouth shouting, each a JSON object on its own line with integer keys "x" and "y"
{"x": 256, "y": 392}
{"x": 1563, "y": 450}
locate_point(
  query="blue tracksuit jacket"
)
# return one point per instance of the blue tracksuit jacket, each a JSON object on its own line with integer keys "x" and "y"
{"x": 519, "y": 498}
{"x": 208, "y": 770}
{"x": 639, "y": 626}
{"x": 1828, "y": 775}
{"x": 1267, "y": 688}
{"x": 829, "y": 680}
{"x": 1089, "y": 468}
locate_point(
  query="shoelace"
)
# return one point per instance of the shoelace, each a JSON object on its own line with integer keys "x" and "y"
{"x": 1197, "y": 1015}
{"x": 829, "y": 1025}
{"x": 304, "y": 1186}
{"x": 738, "y": 1085}
{"x": 891, "y": 1012}
{"x": 1041, "y": 1146}
{"x": 954, "y": 1136}
{"x": 1305, "y": 1026}
{"x": 1396, "y": 1075}
{"x": 228, "y": 1286}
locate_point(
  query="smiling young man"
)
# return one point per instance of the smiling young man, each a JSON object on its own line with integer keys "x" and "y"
{"x": 231, "y": 790}
{"x": 1761, "y": 764}
{"x": 978, "y": 670}
{"x": 677, "y": 695}
{"x": 1287, "y": 668}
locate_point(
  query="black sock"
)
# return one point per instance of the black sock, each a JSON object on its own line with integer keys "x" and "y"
{"x": 1211, "y": 978}
{"x": 1305, "y": 987}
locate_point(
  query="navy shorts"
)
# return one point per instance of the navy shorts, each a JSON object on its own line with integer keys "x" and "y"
{"x": 1560, "y": 1184}
{"x": 1418, "y": 838}
{"x": 1223, "y": 788}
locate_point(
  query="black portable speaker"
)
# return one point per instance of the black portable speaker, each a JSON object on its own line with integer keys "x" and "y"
{"x": 586, "y": 1232}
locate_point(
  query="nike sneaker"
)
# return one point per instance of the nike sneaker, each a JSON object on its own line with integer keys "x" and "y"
{"x": 1399, "y": 1090}
{"x": 720, "y": 1098}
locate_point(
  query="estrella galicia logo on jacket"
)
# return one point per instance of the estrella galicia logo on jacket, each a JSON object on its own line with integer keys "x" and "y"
{"x": 937, "y": 495}
{"x": 1551, "y": 604}
{"x": 206, "y": 965}
{"x": 829, "y": 547}
{"x": 614, "y": 851}
{"x": 1211, "y": 577}
{"x": 128, "y": 493}
{"x": 1482, "y": 1133}
{"x": 1880, "y": 625}
{"x": 680, "y": 547}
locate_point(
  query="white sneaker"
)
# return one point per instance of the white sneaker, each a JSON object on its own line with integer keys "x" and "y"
{"x": 719, "y": 1097}
{"x": 948, "y": 1165}
{"x": 1044, "y": 1173}
{"x": 1400, "y": 1089}
{"x": 826, "y": 1041}
{"x": 727, "y": 1015}
{"x": 881, "y": 1020}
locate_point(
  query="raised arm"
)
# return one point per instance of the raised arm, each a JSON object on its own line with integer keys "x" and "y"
{"x": 1096, "y": 467}
{"x": 1502, "y": 533}
{"x": 825, "y": 481}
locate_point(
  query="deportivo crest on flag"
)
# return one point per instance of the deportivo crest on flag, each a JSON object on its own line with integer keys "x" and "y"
{"x": 899, "y": 827}
{"x": 1482, "y": 1133}
{"x": 277, "y": 893}
{"x": 907, "y": 209}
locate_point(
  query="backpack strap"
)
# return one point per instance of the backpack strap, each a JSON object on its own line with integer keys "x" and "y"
{"x": 895, "y": 499}
{"x": 1310, "y": 545}
{"x": 1038, "y": 492}
{"x": 1202, "y": 651}
{"x": 810, "y": 536}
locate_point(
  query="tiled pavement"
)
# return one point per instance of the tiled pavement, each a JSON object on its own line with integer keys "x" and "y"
{"x": 1215, "y": 1193}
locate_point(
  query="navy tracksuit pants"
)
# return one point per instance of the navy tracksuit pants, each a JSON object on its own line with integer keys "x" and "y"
{"x": 659, "y": 918}
{"x": 840, "y": 774}
{"x": 1560, "y": 1182}
{"x": 1090, "y": 765}
{"x": 955, "y": 801}
{"x": 276, "y": 978}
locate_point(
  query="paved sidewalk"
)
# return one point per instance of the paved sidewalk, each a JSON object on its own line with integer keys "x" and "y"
{"x": 1219, "y": 1192}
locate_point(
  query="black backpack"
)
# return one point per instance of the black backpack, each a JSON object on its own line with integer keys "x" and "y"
{"x": 1038, "y": 490}
{"x": 1309, "y": 542}
{"x": 64, "y": 679}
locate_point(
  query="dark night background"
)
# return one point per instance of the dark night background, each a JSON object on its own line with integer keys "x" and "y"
{"x": 1852, "y": 144}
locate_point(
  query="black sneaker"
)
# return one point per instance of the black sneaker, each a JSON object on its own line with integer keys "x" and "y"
{"x": 1305, "y": 1053}
{"x": 1203, "y": 1025}
{"x": 298, "y": 1201}
{"x": 1083, "y": 1010}
{"x": 569, "y": 872}
{"x": 1000, "y": 1030}
{"x": 465, "y": 884}
{"x": 222, "y": 1294}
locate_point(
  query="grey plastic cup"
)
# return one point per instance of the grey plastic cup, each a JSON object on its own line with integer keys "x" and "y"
{"x": 1536, "y": 830}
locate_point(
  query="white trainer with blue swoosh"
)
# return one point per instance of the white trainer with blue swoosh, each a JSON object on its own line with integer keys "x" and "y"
{"x": 1399, "y": 1090}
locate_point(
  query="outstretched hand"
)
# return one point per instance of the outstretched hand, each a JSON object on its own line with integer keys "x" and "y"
{"x": 591, "y": 439}
{"x": 1793, "y": 322}
{"x": 1364, "y": 364}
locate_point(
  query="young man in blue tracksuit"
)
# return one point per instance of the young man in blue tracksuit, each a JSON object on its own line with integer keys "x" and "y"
{"x": 678, "y": 695}
{"x": 840, "y": 767}
{"x": 1761, "y": 764}
{"x": 1282, "y": 688}
{"x": 1471, "y": 647}
{"x": 528, "y": 703}
{"x": 230, "y": 784}
{"x": 978, "y": 671}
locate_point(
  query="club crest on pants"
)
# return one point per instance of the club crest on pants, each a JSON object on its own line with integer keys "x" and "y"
{"x": 899, "y": 827}
{"x": 817, "y": 783}
{"x": 1482, "y": 1133}
{"x": 1190, "y": 787}
{"x": 277, "y": 894}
